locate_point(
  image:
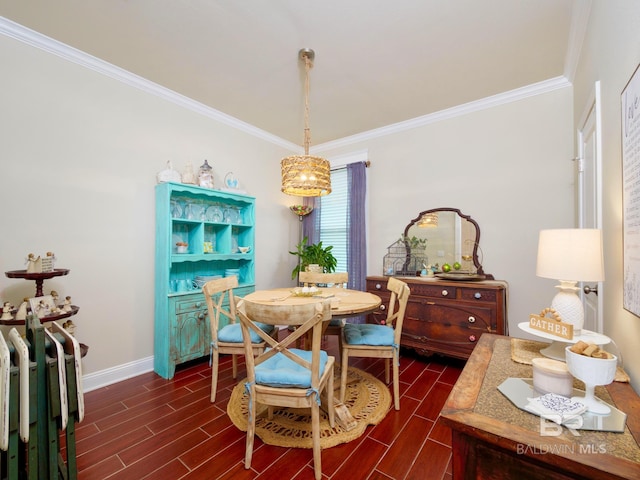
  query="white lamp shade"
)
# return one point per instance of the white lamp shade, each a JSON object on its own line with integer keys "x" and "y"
{"x": 571, "y": 254}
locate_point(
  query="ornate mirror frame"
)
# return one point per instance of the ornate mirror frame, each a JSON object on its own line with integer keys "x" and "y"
{"x": 471, "y": 238}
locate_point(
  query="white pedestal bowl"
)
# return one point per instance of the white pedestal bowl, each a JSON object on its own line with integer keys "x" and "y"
{"x": 592, "y": 371}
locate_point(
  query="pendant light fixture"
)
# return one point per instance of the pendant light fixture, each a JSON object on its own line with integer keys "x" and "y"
{"x": 428, "y": 220}
{"x": 306, "y": 175}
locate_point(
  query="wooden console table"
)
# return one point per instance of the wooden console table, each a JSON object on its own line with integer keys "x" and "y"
{"x": 492, "y": 438}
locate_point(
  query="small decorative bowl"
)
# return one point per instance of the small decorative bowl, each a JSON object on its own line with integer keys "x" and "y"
{"x": 244, "y": 249}
{"x": 305, "y": 291}
{"x": 181, "y": 249}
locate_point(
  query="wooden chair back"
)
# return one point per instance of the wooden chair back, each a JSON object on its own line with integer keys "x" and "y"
{"x": 307, "y": 317}
{"x": 338, "y": 279}
{"x": 397, "y": 306}
{"x": 215, "y": 293}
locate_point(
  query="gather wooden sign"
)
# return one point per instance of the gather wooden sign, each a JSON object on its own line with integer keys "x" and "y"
{"x": 552, "y": 326}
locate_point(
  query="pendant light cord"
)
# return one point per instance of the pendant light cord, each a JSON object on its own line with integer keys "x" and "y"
{"x": 307, "y": 130}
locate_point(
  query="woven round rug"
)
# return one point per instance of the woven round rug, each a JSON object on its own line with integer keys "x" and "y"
{"x": 367, "y": 398}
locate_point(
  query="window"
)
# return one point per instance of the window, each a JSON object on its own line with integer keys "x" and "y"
{"x": 333, "y": 219}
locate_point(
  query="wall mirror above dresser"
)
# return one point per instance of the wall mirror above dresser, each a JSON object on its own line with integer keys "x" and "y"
{"x": 447, "y": 312}
{"x": 445, "y": 236}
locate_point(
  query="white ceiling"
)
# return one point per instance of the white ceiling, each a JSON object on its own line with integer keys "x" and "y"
{"x": 378, "y": 62}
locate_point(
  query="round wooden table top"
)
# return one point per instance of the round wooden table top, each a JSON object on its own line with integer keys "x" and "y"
{"x": 344, "y": 302}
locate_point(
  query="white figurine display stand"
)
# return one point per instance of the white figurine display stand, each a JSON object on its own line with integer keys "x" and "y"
{"x": 556, "y": 349}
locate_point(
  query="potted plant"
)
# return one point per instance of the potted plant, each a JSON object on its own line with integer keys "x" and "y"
{"x": 314, "y": 254}
{"x": 414, "y": 243}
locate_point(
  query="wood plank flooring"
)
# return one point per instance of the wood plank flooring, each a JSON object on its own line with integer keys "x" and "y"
{"x": 151, "y": 428}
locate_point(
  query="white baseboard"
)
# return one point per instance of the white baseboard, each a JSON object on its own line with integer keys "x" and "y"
{"x": 109, "y": 376}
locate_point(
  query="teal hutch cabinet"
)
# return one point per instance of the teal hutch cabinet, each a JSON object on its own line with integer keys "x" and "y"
{"x": 198, "y": 235}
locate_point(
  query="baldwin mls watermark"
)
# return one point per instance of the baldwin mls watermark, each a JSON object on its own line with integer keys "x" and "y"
{"x": 551, "y": 428}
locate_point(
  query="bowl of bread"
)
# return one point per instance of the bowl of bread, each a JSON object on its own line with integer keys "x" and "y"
{"x": 594, "y": 366}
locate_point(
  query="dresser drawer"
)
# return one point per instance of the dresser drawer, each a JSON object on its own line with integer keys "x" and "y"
{"x": 479, "y": 294}
{"x": 377, "y": 286}
{"x": 451, "y": 314}
{"x": 433, "y": 290}
{"x": 424, "y": 332}
{"x": 195, "y": 302}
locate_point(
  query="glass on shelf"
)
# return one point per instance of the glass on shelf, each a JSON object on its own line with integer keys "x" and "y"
{"x": 214, "y": 213}
{"x": 209, "y": 245}
{"x": 236, "y": 215}
{"x": 195, "y": 210}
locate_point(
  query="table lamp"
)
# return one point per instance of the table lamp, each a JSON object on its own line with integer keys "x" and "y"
{"x": 570, "y": 255}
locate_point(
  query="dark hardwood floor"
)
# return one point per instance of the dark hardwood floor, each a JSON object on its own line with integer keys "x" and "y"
{"x": 151, "y": 428}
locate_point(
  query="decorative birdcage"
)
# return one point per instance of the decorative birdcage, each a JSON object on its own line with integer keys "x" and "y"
{"x": 405, "y": 257}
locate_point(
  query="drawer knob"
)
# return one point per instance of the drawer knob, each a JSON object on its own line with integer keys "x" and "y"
{"x": 378, "y": 286}
{"x": 477, "y": 295}
{"x": 383, "y": 307}
{"x": 444, "y": 293}
{"x": 201, "y": 316}
{"x": 472, "y": 319}
{"x": 472, "y": 338}
{"x": 198, "y": 304}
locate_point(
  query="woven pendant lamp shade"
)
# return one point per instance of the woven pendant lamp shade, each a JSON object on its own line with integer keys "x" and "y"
{"x": 306, "y": 175}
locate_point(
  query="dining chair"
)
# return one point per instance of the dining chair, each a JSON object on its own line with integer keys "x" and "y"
{"x": 228, "y": 339}
{"x": 378, "y": 341}
{"x": 283, "y": 376}
{"x": 338, "y": 280}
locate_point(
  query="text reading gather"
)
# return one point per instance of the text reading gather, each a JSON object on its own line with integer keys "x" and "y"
{"x": 551, "y": 326}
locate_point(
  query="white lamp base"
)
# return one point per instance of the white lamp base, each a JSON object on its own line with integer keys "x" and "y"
{"x": 568, "y": 305}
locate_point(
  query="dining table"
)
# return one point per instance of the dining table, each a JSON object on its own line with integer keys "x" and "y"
{"x": 344, "y": 303}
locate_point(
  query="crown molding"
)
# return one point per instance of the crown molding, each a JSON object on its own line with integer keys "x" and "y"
{"x": 42, "y": 42}
{"x": 47, "y": 44}
{"x": 579, "y": 22}
{"x": 464, "y": 109}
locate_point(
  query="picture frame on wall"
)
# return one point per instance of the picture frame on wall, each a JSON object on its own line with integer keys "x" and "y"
{"x": 630, "y": 107}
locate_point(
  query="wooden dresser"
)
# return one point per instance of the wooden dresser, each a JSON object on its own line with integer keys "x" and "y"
{"x": 492, "y": 438}
{"x": 446, "y": 317}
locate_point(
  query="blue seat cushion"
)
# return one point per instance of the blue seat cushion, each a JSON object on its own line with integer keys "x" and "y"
{"x": 280, "y": 371}
{"x": 368, "y": 334}
{"x": 336, "y": 322}
{"x": 232, "y": 333}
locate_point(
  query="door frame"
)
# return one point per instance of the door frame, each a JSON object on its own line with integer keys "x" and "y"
{"x": 592, "y": 111}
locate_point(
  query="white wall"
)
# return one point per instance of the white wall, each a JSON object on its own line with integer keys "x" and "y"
{"x": 610, "y": 54}
{"x": 79, "y": 155}
{"x": 509, "y": 167}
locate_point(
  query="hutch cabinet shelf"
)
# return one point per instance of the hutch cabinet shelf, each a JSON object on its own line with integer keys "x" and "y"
{"x": 446, "y": 317}
{"x": 198, "y": 235}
